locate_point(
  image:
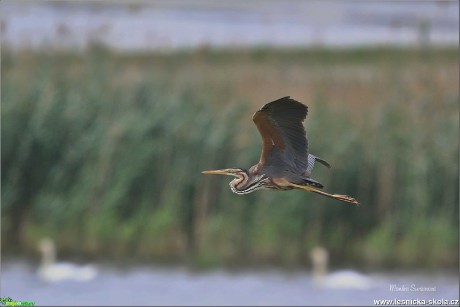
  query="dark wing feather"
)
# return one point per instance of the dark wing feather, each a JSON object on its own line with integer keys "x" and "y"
{"x": 280, "y": 125}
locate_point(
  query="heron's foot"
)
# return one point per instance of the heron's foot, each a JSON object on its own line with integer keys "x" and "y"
{"x": 346, "y": 198}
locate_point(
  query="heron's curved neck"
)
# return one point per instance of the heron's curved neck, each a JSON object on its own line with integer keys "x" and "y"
{"x": 246, "y": 183}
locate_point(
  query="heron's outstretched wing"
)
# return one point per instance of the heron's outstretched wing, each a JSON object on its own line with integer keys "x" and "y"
{"x": 280, "y": 125}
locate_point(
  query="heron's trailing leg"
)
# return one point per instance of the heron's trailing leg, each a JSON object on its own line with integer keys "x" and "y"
{"x": 341, "y": 197}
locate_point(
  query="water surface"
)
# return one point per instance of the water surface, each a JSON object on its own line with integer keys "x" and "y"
{"x": 153, "y": 285}
{"x": 168, "y": 25}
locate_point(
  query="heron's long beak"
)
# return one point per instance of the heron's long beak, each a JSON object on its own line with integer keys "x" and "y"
{"x": 227, "y": 171}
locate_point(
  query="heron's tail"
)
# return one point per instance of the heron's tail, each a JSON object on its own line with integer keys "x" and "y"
{"x": 311, "y": 163}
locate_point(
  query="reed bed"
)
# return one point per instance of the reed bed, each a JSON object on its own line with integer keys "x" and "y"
{"x": 103, "y": 152}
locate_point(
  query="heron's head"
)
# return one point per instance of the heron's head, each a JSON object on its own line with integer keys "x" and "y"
{"x": 237, "y": 184}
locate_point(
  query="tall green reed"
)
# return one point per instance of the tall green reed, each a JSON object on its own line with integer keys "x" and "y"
{"x": 103, "y": 152}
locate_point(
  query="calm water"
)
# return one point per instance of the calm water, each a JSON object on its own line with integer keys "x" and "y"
{"x": 188, "y": 24}
{"x": 150, "y": 285}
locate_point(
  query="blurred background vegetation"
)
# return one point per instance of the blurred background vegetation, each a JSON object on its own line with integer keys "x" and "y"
{"x": 103, "y": 151}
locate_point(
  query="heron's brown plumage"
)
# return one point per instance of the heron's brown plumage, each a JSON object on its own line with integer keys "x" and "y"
{"x": 280, "y": 125}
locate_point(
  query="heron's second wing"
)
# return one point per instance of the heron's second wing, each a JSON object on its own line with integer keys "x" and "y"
{"x": 280, "y": 125}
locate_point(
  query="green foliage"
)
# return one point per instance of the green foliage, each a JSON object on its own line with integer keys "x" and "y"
{"x": 103, "y": 152}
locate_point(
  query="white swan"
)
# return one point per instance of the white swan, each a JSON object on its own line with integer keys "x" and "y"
{"x": 344, "y": 279}
{"x": 50, "y": 271}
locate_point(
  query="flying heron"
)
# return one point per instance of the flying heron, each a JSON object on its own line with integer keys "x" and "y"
{"x": 285, "y": 163}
